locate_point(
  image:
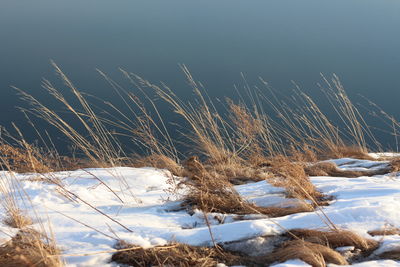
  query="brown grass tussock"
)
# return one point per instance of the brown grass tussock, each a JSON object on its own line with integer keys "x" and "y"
{"x": 335, "y": 239}
{"x": 178, "y": 255}
{"x": 314, "y": 254}
{"x": 29, "y": 248}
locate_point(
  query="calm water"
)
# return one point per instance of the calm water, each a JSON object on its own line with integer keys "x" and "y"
{"x": 279, "y": 40}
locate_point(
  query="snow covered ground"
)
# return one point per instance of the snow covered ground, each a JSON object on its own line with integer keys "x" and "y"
{"x": 140, "y": 200}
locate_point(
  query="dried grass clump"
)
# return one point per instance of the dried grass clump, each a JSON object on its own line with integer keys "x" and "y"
{"x": 335, "y": 238}
{"x": 238, "y": 173}
{"x": 314, "y": 254}
{"x": 322, "y": 169}
{"x": 280, "y": 211}
{"x": 356, "y": 152}
{"x": 303, "y": 154}
{"x": 22, "y": 160}
{"x": 29, "y": 158}
{"x": 393, "y": 254}
{"x": 385, "y": 231}
{"x": 293, "y": 178}
{"x": 330, "y": 169}
{"x": 29, "y": 248}
{"x": 16, "y": 219}
{"x": 66, "y": 163}
{"x": 161, "y": 162}
{"x": 178, "y": 255}
{"x": 211, "y": 194}
{"x": 395, "y": 165}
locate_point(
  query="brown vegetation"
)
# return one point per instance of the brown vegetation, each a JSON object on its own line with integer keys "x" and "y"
{"x": 232, "y": 171}
{"x": 161, "y": 162}
{"x": 395, "y": 164}
{"x": 245, "y": 145}
{"x": 178, "y": 255}
{"x": 29, "y": 248}
{"x": 311, "y": 246}
{"x": 31, "y": 159}
{"x": 385, "y": 231}
{"x": 16, "y": 219}
{"x": 393, "y": 254}
{"x": 314, "y": 254}
{"x": 22, "y": 160}
{"x": 335, "y": 238}
{"x": 305, "y": 154}
{"x": 211, "y": 194}
{"x": 346, "y": 152}
{"x": 292, "y": 177}
{"x": 330, "y": 169}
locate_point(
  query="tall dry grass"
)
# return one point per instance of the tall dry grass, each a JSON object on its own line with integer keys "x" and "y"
{"x": 262, "y": 135}
{"x": 34, "y": 244}
{"x": 260, "y": 124}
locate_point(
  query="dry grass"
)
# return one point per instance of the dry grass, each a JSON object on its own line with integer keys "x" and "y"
{"x": 385, "y": 231}
{"x": 235, "y": 172}
{"x": 28, "y": 158}
{"x": 16, "y": 219}
{"x": 247, "y": 144}
{"x": 330, "y": 169}
{"x": 29, "y": 248}
{"x": 278, "y": 170}
{"x": 334, "y": 239}
{"x": 395, "y": 164}
{"x": 292, "y": 177}
{"x": 94, "y": 141}
{"x": 225, "y": 200}
{"x": 297, "y": 127}
{"x": 233, "y": 146}
{"x": 346, "y": 152}
{"x": 314, "y": 254}
{"x": 161, "y": 162}
{"x": 178, "y": 255}
{"x": 11, "y": 196}
{"x": 211, "y": 194}
{"x": 311, "y": 246}
{"x": 393, "y": 254}
{"x": 22, "y": 160}
{"x": 305, "y": 154}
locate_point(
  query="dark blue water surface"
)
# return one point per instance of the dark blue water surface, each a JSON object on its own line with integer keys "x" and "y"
{"x": 279, "y": 40}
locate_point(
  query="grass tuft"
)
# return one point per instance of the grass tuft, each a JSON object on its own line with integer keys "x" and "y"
{"x": 342, "y": 151}
{"x": 161, "y": 162}
{"x": 395, "y": 164}
{"x": 335, "y": 239}
{"x": 210, "y": 194}
{"x": 292, "y": 177}
{"x": 385, "y": 231}
{"x": 27, "y": 159}
{"x": 178, "y": 255}
{"x": 29, "y": 248}
{"x": 16, "y": 219}
{"x": 314, "y": 254}
{"x": 393, "y": 254}
{"x": 330, "y": 169}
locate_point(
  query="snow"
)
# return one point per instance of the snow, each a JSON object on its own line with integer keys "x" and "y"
{"x": 292, "y": 263}
{"x": 380, "y": 263}
{"x": 140, "y": 199}
{"x": 264, "y": 194}
{"x": 384, "y": 155}
{"x": 359, "y": 165}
